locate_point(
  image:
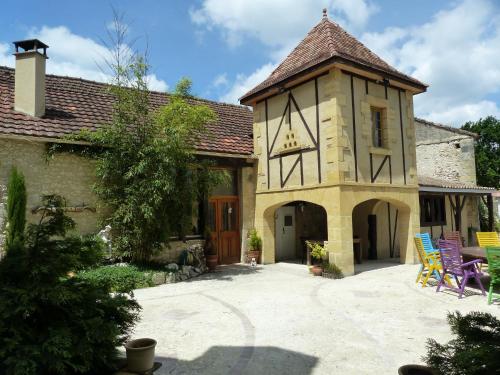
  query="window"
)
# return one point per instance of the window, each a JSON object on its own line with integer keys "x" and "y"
{"x": 377, "y": 127}
{"x": 432, "y": 210}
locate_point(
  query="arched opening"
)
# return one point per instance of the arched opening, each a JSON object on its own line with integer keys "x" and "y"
{"x": 380, "y": 231}
{"x": 295, "y": 223}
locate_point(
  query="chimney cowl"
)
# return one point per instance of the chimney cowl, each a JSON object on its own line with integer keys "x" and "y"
{"x": 31, "y": 45}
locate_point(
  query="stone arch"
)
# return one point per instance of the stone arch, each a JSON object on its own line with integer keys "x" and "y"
{"x": 394, "y": 226}
{"x": 266, "y": 226}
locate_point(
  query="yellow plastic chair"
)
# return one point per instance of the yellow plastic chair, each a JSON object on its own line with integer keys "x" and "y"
{"x": 430, "y": 264}
{"x": 487, "y": 239}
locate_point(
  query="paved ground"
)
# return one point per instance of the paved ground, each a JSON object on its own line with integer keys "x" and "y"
{"x": 278, "y": 319}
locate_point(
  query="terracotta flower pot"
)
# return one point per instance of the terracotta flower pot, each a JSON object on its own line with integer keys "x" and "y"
{"x": 253, "y": 254}
{"x": 211, "y": 262}
{"x": 415, "y": 370}
{"x": 317, "y": 270}
{"x": 140, "y": 355}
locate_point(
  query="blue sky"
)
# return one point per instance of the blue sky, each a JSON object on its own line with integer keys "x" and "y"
{"x": 227, "y": 47}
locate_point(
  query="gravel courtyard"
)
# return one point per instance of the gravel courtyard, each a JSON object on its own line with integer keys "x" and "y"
{"x": 278, "y": 319}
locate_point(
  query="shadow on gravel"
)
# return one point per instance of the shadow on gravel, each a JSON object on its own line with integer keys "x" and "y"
{"x": 372, "y": 265}
{"x": 220, "y": 360}
{"x": 227, "y": 272}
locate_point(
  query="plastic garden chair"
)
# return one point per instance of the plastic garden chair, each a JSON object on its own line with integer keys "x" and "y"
{"x": 430, "y": 263}
{"x": 451, "y": 260}
{"x": 487, "y": 239}
{"x": 430, "y": 250}
{"x": 493, "y": 256}
{"x": 454, "y": 236}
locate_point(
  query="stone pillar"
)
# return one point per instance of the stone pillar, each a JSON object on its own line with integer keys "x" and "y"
{"x": 339, "y": 246}
{"x": 264, "y": 224}
{"x": 247, "y": 205}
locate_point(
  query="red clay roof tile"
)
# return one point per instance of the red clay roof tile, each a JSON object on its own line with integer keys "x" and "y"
{"x": 73, "y": 104}
{"x": 325, "y": 41}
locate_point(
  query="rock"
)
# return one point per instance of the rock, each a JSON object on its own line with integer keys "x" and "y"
{"x": 158, "y": 278}
{"x": 186, "y": 269}
{"x": 172, "y": 267}
{"x": 197, "y": 270}
{"x": 170, "y": 278}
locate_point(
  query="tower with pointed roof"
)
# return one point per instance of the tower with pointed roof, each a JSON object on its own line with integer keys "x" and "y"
{"x": 333, "y": 127}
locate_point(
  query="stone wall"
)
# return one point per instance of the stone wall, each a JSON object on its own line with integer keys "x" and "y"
{"x": 67, "y": 175}
{"x": 454, "y": 151}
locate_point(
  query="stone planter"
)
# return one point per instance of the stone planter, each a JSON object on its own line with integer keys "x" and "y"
{"x": 317, "y": 270}
{"x": 415, "y": 370}
{"x": 140, "y": 355}
{"x": 253, "y": 254}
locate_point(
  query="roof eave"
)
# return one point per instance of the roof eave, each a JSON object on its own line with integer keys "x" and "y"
{"x": 247, "y": 99}
{"x": 437, "y": 189}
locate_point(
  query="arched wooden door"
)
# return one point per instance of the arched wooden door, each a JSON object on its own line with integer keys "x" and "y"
{"x": 223, "y": 220}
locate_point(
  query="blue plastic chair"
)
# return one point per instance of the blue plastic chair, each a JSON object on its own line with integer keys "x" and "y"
{"x": 429, "y": 250}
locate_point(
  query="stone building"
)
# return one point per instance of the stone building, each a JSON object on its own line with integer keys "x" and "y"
{"x": 330, "y": 152}
{"x": 37, "y": 110}
{"x": 446, "y": 167}
{"x": 334, "y": 133}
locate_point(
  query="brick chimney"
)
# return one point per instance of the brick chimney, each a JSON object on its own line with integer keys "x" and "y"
{"x": 30, "y": 77}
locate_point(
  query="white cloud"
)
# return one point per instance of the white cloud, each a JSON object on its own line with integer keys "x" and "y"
{"x": 457, "y": 53}
{"x": 220, "y": 80}
{"x": 277, "y": 25}
{"x": 6, "y": 58}
{"x": 277, "y": 22}
{"x": 467, "y": 112}
{"x": 74, "y": 55}
{"x": 244, "y": 83}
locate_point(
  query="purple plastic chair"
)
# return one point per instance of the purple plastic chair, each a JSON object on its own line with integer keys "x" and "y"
{"x": 454, "y": 266}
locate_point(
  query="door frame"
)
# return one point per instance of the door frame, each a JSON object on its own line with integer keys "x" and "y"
{"x": 218, "y": 199}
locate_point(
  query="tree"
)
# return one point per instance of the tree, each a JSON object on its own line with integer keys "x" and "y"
{"x": 50, "y": 321}
{"x": 147, "y": 173}
{"x": 487, "y": 150}
{"x": 473, "y": 351}
{"x": 16, "y": 209}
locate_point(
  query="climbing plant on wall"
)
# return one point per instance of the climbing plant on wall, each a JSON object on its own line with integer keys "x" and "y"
{"x": 147, "y": 173}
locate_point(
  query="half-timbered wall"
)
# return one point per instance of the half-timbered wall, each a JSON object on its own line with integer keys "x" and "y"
{"x": 320, "y": 132}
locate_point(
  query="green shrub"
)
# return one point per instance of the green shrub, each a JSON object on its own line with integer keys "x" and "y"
{"x": 254, "y": 241}
{"x": 333, "y": 269}
{"x": 118, "y": 278}
{"x": 473, "y": 351}
{"x": 16, "y": 209}
{"x": 51, "y": 322}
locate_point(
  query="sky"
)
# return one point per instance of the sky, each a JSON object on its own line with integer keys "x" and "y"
{"x": 228, "y": 47}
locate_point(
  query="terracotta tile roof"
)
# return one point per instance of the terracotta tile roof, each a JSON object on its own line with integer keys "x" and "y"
{"x": 73, "y": 104}
{"x": 435, "y": 182}
{"x": 446, "y": 127}
{"x": 325, "y": 42}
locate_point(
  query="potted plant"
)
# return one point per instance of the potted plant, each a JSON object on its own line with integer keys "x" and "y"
{"x": 415, "y": 370}
{"x": 140, "y": 355}
{"x": 318, "y": 253}
{"x": 254, "y": 246}
{"x": 210, "y": 251}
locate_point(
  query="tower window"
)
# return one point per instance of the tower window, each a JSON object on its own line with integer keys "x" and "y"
{"x": 378, "y": 127}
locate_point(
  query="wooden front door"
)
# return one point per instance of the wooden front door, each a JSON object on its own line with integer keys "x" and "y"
{"x": 223, "y": 219}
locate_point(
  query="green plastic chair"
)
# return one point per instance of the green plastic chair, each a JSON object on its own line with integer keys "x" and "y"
{"x": 493, "y": 256}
